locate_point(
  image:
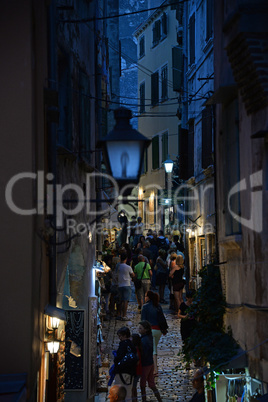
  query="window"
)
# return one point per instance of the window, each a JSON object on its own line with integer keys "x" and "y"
{"x": 191, "y": 149}
{"x": 142, "y": 47}
{"x": 64, "y": 133}
{"x": 164, "y": 82}
{"x": 192, "y": 39}
{"x": 145, "y": 161}
{"x": 177, "y": 63}
{"x": 164, "y": 146}
{"x": 207, "y": 156}
{"x": 209, "y": 19}
{"x": 156, "y": 32}
{"x": 84, "y": 118}
{"x": 231, "y": 165}
{"x": 163, "y": 26}
{"x": 155, "y": 152}
{"x": 160, "y": 29}
{"x": 155, "y": 88}
{"x": 186, "y": 152}
{"x": 142, "y": 97}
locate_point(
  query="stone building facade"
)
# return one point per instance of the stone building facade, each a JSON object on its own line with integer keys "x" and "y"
{"x": 196, "y": 153}
{"x": 53, "y": 75}
{"x": 241, "y": 99}
{"x": 159, "y": 81}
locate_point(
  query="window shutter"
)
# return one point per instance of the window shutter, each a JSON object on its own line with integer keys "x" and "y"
{"x": 209, "y": 19}
{"x": 164, "y": 24}
{"x": 145, "y": 161}
{"x": 142, "y": 47}
{"x": 192, "y": 39}
{"x": 154, "y": 88}
{"x": 191, "y": 150}
{"x": 84, "y": 109}
{"x": 142, "y": 97}
{"x": 164, "y": 87}
{"x": 164, "y": 146}
{"x": 177, "y": 63}
{"x": 158, "y": 30}
{"x": 155, "y": 151}
{"x": 183, "y": 154}
{"x": 207, "y": 158}
{"x": 154, "y": 34}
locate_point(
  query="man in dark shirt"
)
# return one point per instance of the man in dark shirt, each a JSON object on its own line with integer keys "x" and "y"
{"x": 198, "y": 384}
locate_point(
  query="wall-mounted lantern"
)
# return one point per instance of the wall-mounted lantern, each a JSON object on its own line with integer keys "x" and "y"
{"x": 54, "y": 315}
{"x": 123, "y": 149}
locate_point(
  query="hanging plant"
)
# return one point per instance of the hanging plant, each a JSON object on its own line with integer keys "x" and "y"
{"x": 209, "y": 344}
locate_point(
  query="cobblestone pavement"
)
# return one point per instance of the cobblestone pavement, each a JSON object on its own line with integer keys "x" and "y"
{"x": 173, "y": 384}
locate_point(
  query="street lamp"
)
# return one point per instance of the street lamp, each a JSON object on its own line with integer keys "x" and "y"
{"x": 168, "y": 165}
{"x": 123, "y": 149}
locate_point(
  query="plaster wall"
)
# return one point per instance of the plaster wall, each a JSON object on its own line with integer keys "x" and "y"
{"x": 23, "y": 286}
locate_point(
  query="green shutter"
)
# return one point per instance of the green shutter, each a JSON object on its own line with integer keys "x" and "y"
{"x": 142, "y": 98}
{"x": 164, "y": 146}
{"x": 164, "y": 81}
{"x": 177, "y": 63}
{"x": 155, "y": 151}
{"x": 154, "y": 88}
{"x": 164, "y": 24}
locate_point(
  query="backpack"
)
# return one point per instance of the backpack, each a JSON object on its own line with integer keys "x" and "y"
{"x": 128, "y": 363}
{"x": 162, "y": 243}
{"x": 162, "y": 322}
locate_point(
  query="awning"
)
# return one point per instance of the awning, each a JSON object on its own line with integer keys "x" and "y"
{"x": 54, "y": 311}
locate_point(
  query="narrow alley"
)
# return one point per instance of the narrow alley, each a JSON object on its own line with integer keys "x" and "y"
{"x": 174, "y": 381}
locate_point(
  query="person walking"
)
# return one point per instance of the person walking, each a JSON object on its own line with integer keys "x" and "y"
{"x": 143, "y": 272}
{"x": 187, "y": 323}
{"x": 147, "y": 361}
{"x": 161, "y": 274}
{"x": 198, "y": 384}
{"x": 162, "y": 241}
{"x": 125, "y": 347}
{"x": 138, "y": 231}
{"x": 150, "y": 312}
{"x": 176, "y": 274}
{"x": 171, "y": 261}
{"x": 136, "y": 340}
{"x": 125, "y": 273}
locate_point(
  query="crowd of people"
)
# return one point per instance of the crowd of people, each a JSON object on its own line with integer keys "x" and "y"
{"x": 153, "y": 263}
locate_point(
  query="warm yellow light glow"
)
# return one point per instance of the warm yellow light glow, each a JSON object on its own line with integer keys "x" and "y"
{"x": 55, "y": 322}
{"x": 53, "y": 346}
{"x": 152, "y": 195}
{"x": 140, "y": 191}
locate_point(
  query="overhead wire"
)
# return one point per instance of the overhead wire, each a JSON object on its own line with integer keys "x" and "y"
{"x": 92, "y": 19}
{"x": 170, "y": 84}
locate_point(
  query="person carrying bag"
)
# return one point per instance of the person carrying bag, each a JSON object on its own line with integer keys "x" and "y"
{"x": 142, "y": 282}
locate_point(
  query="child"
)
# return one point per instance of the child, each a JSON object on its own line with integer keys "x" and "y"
{"x": 136, "y": 340}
